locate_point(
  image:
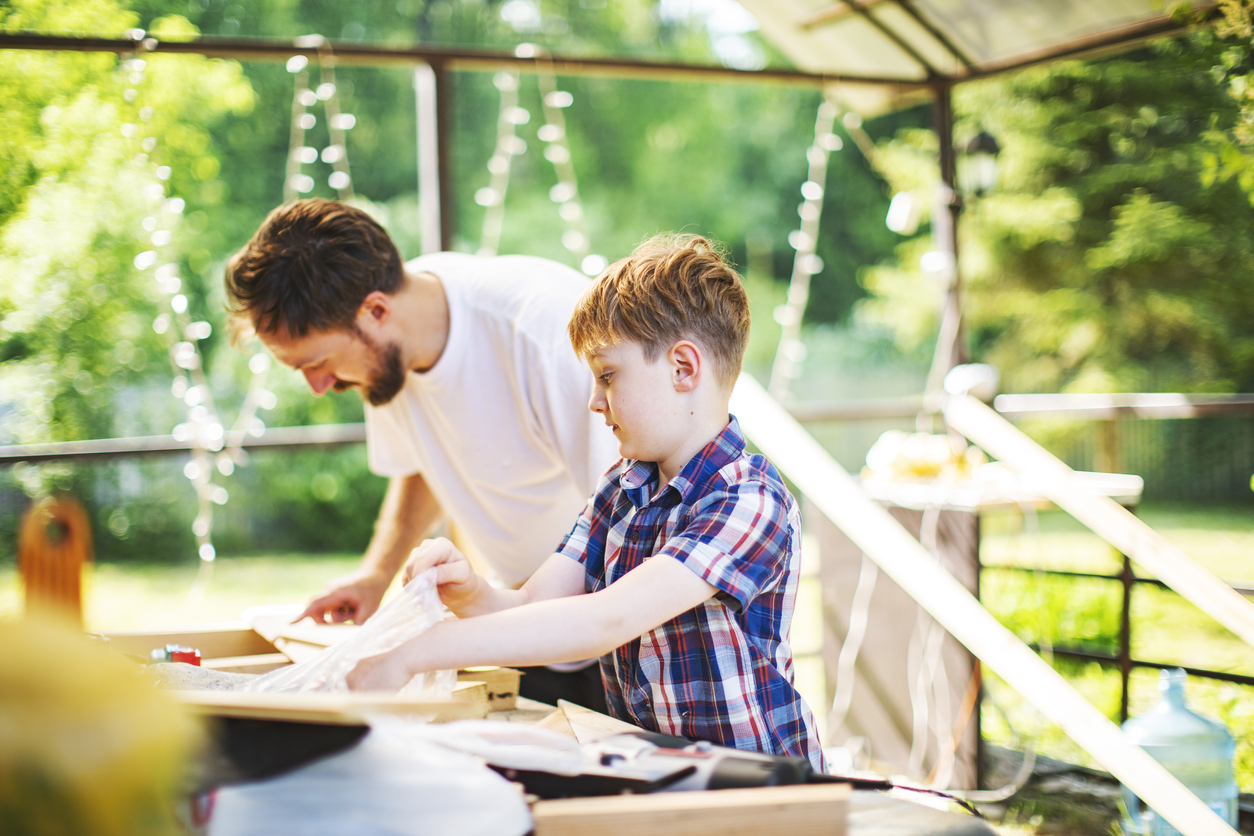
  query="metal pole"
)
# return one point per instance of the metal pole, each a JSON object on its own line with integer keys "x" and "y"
{"x": 443, "y": 124}
{"x": 949, "y": 351}
{"x": 1125, "y": 639}
{"x": 430, "y": 183}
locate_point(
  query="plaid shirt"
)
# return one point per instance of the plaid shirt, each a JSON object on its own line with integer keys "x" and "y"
{"x": 722, "y": 671}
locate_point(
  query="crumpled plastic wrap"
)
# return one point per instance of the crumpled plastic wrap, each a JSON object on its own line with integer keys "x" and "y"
{"x": 397, "y": 782}
{"x": 413, "y": 611}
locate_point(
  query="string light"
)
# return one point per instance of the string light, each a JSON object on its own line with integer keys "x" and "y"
{"x": 508, "y": 144}
{"x": 296, "y": 182}
{"x": 791, "y": 353}
{"x": 557, "y": 151}
{"x": 203, "y": 430}
{"x": 566, "y": 192}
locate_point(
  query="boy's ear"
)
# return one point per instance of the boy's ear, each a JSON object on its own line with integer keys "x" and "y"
{"x": 687, "y": 365}
{"x": 376, "y": 309}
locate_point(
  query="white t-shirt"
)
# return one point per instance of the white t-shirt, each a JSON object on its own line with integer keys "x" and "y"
{"x": 500, "y": 427}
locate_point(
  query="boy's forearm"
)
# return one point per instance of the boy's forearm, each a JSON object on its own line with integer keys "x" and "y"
{"x": 548, "y": 632}
{"x": 486, "y": 599}
{"x": 562, "y": 629}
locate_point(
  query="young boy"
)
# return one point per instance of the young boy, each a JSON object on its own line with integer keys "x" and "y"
{"x": 681, "y": 573}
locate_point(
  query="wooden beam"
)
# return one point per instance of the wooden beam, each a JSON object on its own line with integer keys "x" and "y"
{"x": 812, "y": 469}
{"x": 813, "y": 810}
{"x": 450, "y": 58}
{"x": 1122, "y": 405}
{"x": 214, "y": 641}
{"x": 1111, "y": 521}
{"x": 469, "y": 701}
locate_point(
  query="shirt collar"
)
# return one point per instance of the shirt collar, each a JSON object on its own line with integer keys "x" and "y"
{"x": 639, "y": 477}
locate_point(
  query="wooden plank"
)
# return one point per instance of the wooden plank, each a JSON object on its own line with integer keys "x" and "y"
{"x": 799, "y": 811}
{"x": 816, "y": 474}
{"x": 1093, "y": 406}
{"x": 589, "y": 726}
{"x": 556, "y": 721}
{"x": 298, "y": 651}
{"x": 530, "y": 712}
{"x": 214, "y": 641}
{"x": 1112, "y": 522}
{"x": 502, "y": 684}
{"x": 260, "y": 663}
{"x": 469, "y": 701}
{"x": 276, "y": 623}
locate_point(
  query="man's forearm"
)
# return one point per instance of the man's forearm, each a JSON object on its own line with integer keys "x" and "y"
{"x": 408, "y": 514}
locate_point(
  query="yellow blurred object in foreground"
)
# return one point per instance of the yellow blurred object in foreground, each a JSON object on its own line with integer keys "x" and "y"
{"x": 86, "y": 745}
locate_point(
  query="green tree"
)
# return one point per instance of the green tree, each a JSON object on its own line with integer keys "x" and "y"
{"x": 75, "y": 314}
{"x": 1109, "y": 258}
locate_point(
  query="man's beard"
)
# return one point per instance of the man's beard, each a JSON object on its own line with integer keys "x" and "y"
{"x": 387, "y": 378}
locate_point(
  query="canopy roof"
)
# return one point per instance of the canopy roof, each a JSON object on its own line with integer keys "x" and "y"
{"x": 884, "y": 50}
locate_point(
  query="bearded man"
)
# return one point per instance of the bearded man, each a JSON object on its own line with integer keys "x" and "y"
{"x": 476, "y": 405}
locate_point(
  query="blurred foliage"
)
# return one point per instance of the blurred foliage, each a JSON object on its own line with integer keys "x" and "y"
{"x": 1110, "y": 257}
{"x": 75, "y": 317}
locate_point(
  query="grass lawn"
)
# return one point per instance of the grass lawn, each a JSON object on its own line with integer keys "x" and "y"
{"x": 1083, "y": 612}
{"x": 130, "y": 596}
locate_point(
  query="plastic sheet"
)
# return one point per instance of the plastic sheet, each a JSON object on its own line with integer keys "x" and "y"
{"x": 397, "y": 781}
{"x": 414, "y": 610}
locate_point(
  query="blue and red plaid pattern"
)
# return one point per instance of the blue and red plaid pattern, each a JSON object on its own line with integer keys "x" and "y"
{"x": 723, "y": 671}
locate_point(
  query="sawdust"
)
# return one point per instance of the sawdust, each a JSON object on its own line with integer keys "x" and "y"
{"x": 181, "y": 676}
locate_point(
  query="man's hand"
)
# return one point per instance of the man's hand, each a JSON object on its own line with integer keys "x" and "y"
{"x": 459, "y": 585}
{"x": 384, "y": 672}
{"x": 352, "y": 597}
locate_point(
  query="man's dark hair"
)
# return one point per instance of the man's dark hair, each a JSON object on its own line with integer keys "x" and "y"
{"x": 309, "y": 267}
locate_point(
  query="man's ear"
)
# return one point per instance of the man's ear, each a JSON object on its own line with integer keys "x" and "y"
{"x": 375, "y": 310}
{"x": 687, "y": 365}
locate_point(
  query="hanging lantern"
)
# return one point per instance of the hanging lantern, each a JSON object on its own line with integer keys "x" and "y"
{"x": 979, "y": 165}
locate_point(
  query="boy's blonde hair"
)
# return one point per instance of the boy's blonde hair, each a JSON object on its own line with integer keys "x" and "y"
{"x": 671, "y": 288}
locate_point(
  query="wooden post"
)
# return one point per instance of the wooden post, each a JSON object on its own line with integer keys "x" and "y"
{"x": 1110, "y": 447}
{"x": 816, "y": 474}
{"x": 54, "y": 542}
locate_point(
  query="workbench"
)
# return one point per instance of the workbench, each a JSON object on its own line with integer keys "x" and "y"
{"x": 812, "y": 809}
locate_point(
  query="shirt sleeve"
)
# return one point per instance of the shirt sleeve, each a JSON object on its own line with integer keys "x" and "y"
{"x": 389, "y": 447}
{"x": 737, "y": 541}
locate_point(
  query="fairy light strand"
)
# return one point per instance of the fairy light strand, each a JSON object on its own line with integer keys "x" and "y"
{"x": 335, "y": 154}
{"x": 508, "y": 145}
{"x": 791, "y": 352}
{"x": 557, "y": 151}
{"x": 566, "y": 192}
{"x": 203, "y": 429}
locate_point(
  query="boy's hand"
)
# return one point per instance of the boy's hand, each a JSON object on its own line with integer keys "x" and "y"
{"x": 384, "y": 672}
{"x": 458, "y": 583}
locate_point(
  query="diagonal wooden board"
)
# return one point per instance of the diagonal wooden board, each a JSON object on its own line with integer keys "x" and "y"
{"x": 588, "y": 726}
{"x": 1110, "y": 520}
{"x": 816, "y": 474}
